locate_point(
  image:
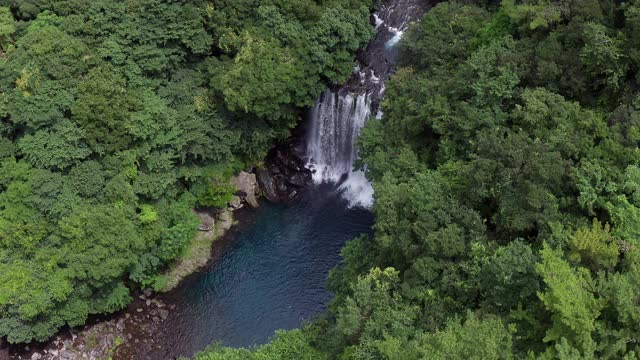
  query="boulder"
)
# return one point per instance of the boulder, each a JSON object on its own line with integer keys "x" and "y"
{"x": 224, "y": 216}
{"x": 120, "y": 325}
{"x": 298, "y": 180}
{"x": 225, "y": 220}
{"x": 66, "y": 354}
{"x": 163, "y": 314}
{"x": 248, "y": 184}
{"x": 267, "y": 184}
{"x": 284, "y": 175}
{"x": 236, "y": 202}
{"x": 207, "y": 221}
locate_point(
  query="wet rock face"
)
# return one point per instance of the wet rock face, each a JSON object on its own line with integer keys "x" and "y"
{"x": 377, "y": 62}
{"x": 284, "y": 175}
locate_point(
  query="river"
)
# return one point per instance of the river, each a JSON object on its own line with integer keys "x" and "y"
{"x": 271, "y": 275}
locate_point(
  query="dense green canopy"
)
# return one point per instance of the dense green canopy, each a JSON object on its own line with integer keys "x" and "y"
{"x": 506, "y": 175}
{"x": 117, "y": 117}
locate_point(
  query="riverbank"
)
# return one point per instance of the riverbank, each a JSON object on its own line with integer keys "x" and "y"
{"x": 117, "y": 336}
{"x": 142, "y": 318}
{"x": 214, "y": 223}
{"x": 197, "y": 253}
{"x": 121, "y": 335}
{"x": 130, "y": 333}
{"x": 267, "y": 272}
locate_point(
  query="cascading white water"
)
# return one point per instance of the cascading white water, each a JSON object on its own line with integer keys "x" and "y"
{"x": 337, "y": 117}
{"x": 336, "y": 123}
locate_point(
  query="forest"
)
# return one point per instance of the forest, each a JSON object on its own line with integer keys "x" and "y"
{"x": 118, "y": 117}
{"x": 506, "y": 167}
{"x": 507, "y": 194}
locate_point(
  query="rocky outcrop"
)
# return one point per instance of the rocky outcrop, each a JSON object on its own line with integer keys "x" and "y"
{"x": 225, "y": 219}
{"x": 248, "y": 189}
{"x": 107, "y": 339}
{"x": 213, "y": 225}
{"x": 284, "y": 175}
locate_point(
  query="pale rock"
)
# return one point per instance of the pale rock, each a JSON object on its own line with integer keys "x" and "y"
{"x": 225, "y": 219}
{"x": 163, "y": 314}
{"x": 66, "y": 354}
{"x": 236, "y": 203}
{"x": 120, "y": 325}
{"x": 247, "y": 184}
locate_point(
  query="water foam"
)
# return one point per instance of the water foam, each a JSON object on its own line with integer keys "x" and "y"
{"x": 337, "y": 120}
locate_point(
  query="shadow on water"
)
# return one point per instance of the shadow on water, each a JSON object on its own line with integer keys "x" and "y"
{"x": 271, "y": 275}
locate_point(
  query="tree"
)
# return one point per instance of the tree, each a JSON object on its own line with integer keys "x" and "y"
{"x": 7, "y": 28}
{"x": 594, "y": 247}
{"x": 58, "y": 148}
{"x": 474, "y": 338}
{"x": 264, "y": 77}
{"x": 574, "y": 309}
{"x": 603, "y": 56}
{"x": 103, "y": 110}
{"x": 509, "y": 277}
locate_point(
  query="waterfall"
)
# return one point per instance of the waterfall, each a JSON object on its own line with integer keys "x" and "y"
{"x": 338, "y": 116}
{"x": 336, "y": 123}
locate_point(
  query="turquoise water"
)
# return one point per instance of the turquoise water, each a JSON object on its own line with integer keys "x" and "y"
{"x": 270, "y": 276}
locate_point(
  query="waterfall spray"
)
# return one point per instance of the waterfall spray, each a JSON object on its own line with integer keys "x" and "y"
{"x": 337, "y": 121}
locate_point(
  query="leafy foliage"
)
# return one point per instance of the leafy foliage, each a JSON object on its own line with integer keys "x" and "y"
{"x": 117, "y": 118}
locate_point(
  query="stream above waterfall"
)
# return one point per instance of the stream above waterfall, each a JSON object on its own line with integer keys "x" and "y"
{"x": 338, "y": 116}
